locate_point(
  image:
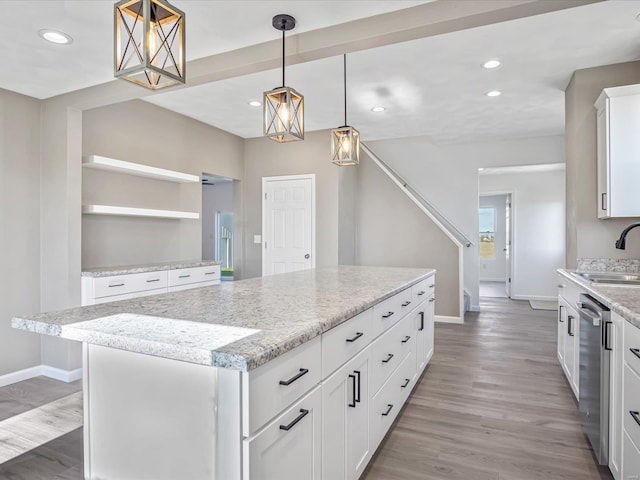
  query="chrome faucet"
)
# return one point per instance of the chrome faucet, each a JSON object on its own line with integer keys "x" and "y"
{"x": 620, "y": 243}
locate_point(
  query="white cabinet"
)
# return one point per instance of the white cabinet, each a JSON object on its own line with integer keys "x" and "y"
{"x": 346, "y": 447}
{"x": 290, "y": 446}
{"x": 618, "y": 123}
{"x": 616, "y": 339}
{"x": 423, "y": 327}
{"x": 631, "y": 462}
{"x": 568, "y": 349}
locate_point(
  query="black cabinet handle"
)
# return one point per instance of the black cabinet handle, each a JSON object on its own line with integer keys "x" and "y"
{"x": 560, "y": 313}
{"x": 389, "y": 357}
{"x": 636, "y": 416}
{"x": 209, "y": 273}
{"x": 406, "y": 304}
{"x": 421, "y": 292}
{"x": 406, "y": 382}
{"x": 387, "y": 315}
{"x": 355, "y": 337}
{"x": 303, "y": 371}
{"x": 602, "y": 197}
{"x": 116, "y": 285}
{"x": 569, "y": 318}
{"x": 153, "y": 280}
{"x": 389, "y": 407}
{"x": 353, "y": 390}
{"x": 432, "y": 299}
{"x": 635, "y": 351}
{"x": 303, "y": 413}
{"x": 432, "y": 285}
{"x": 184, "y": 276}
{"x": 421, "y": 322}
{"x": 605, "y": 341}
{"x": 406, "y": 339}
{"x": 357, "y": 398}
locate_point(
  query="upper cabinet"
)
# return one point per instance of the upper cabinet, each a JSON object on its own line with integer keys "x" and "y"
{"x": 618, "y": 125}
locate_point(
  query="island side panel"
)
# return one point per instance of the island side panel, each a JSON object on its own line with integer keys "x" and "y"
{"x": 148, "y": 417}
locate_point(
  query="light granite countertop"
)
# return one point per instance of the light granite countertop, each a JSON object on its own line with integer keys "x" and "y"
{"x": 142, "y": 268}
{"x": 238, "y": 325}
{"x": 622, "y": 299}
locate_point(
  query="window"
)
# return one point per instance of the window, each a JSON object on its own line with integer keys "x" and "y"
{"x": 487, "y": 223}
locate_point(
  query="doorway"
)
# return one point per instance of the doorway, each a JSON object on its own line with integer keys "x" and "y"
{"x": 288, "y": 223}
{"x": 218, "y": 222}
{"x": 495, "y": 244}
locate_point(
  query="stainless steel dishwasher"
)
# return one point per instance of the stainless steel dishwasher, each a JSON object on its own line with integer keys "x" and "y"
{"x": 595, "y": 352}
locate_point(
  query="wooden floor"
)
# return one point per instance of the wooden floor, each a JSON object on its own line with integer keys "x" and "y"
{"x": 493, "y": 404}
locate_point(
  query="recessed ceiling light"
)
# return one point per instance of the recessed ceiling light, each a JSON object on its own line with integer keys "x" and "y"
{"x": 55, "y": 36}
{"x": 254, "y": 103}
{"x": 494, "y": 93}
{"x": 491, "y": 64}
{"x": 378, "y": 109}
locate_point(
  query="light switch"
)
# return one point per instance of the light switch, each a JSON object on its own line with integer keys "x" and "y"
{"x": 257, "y": 239}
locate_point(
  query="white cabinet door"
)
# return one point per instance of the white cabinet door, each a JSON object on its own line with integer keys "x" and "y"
{"x": 423, "y": 322}
{"x": 616, "y": 343}
{"x": 572, "y": 348}
{"x": 562, "y": 314}
{"x": 345, "y": 419}
{"x": 429, "y": 327}
{"x": 631, "y": 459}
{"x": 289, "y": 448}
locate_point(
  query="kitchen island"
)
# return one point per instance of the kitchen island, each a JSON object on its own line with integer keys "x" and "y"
{"x": 274, "y": 377}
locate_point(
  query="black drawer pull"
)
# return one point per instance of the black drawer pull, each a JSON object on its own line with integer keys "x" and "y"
{"x": 355, "y": 337}
{"x": 406, "y": 304}
{"x": 357, "y": 398}
{"x": 406, "y": 339}
{"x": 432, "y": 285}
{"x": 635, "y": 351}
{"x": 184, "y": 276}
{"x": 303, "y": 413}
{"x": 389, "y": 407}
{"x": 432, "y": 299}
{"x": 636, "y": 416}
{"x": 209, "y": 273}
{"x": 387, "y": 315}
{"x": 421, "y": 292}
{"x": 303, "y": 371}
{"x": 569, "y": 329}
{"x": 116, "y": 285}
{"x": 406, "y": 382}
{"x": 389, "y": 357}
{"x": 421, "y": 322}
{"x": 153, "y": 280}
{"x": 353, "y": 404}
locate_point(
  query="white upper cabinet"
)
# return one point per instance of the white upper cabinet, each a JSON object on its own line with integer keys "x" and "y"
{"x": 618, "y": 124}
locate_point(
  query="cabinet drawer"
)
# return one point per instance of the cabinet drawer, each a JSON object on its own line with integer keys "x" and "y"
{"x": 388, "y": 312}
{"x": 631, "y": 404}
{"x": 341, "y": 343}
{"x": 290, "y": 446}
{"x": 569, "y": 291}
{"x": 191, "y": 286}
{"x": 390, "y": 349}
{"x": 123, "y": 284}
{"x": 184, "y": 276}
{"x": 423, "y": 290}
{"x": 632, "y": 346}
{"x": 274, "y": 386}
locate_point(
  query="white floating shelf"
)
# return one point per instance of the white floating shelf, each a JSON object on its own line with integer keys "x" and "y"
{"x": 137, "y": 212}
{"x": 111, "y": 164}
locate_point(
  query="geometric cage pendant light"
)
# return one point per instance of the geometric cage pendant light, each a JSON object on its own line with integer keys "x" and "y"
{"x": 149, "y": 43}
{"x": 283, "y": 107}
{"x": 345, "y": 140}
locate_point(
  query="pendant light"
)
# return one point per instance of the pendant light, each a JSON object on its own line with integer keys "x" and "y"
{"x": 283, "y": 106}
{"x": 149, "y": 43}
{"x": 345, "y": 140}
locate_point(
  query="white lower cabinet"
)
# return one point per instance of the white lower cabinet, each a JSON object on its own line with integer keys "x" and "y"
{"x": 346, "y": 447}
{"x": 288, "y": 448}
{"x": 569, "y": 343}
{"x": 423, "y": 327}
{"x": 616, "y": 334}
{"x": 631, "y": 460}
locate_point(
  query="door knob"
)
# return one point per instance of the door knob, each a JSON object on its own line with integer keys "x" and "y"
{"x": 307, "y": 256}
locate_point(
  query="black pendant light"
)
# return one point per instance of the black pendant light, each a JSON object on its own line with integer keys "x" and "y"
{"x": 345, "y": 140}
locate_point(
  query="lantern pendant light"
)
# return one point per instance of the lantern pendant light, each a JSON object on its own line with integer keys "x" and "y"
{"x": 283, "y": 106}
{"x": 149, "y": 43}
{"x": 345, "y": 140}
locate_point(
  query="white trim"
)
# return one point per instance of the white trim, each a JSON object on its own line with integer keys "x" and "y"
{"x": 474, "y": 308}
{"x": 137, "y": 212}
{"x": 307, "y": 176}
{"x": 447, "y": 319}
{"x": 543, "y": 298}
{"x": 111, "y": 164}
{"x": 40, "y": 370}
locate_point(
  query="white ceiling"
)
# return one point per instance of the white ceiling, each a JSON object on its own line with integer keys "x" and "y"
{"x": 431, "y": 87}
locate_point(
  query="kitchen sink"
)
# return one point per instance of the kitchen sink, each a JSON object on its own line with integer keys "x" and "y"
{"x": 614, "y": 278}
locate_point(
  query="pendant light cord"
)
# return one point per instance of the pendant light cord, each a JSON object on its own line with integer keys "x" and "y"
{"x": 345, "y": 88}
{"x": 283, "y": 84}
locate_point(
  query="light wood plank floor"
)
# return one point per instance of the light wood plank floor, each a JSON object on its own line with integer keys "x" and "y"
{"x": 493, "y": 404}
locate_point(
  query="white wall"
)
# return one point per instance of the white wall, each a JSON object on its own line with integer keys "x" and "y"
{"x": 19, "y": 227}
{"x": 495, "y": 269}
{"x": 538, "y": 208}
{"x": 215, "y": 198}
{"x": 447, "y": 176}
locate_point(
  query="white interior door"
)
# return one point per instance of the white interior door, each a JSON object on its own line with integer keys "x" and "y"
{"x": 288, "y": 224}
{"x": 507, "y": 246}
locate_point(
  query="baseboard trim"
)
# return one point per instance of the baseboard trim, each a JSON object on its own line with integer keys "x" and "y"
{"x": 51, "y": 372}
{"x": 474, "y": 308}
{"x": 535, "y": 297}
{"x": 446, "y": 319}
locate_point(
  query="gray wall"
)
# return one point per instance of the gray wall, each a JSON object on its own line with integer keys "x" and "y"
{"x": 19, "y": 227}
{"x": 393, "y": 231}
{"x": 264, "y": 158}
{"x": 215, "y": 198}
{"x": 588, "y": 237}
{"x": 137, "y": 131}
